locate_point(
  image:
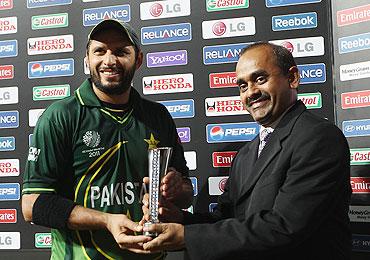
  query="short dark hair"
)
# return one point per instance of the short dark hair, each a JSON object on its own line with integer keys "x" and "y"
{"x": 283, "y": 57}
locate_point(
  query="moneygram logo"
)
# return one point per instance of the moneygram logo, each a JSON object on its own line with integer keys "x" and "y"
{"x": 49, "y": 21}
{"x": 221, "y": 5}
{"x": 9, "y": 167}
{"x": 9, "y": 119}
{"x": 8, "y": 25}
{"x": 231, "y": 132}
{"x": 360, "y": 156}
{"x": 7, "y": 143}
{"x": 9, "y": 191}
{"x": 180, "y": 108}
{"x": 51, "y": 92}
{"x": 358, "y": 42}
{"x": 229, "y": 27}
{"x": 216, "y": 185}
{"x": 93, "y": 16}
{"x": 355, "y": 99}
{"x": 312, "y": 73}
{"x": 6, "y": 4}
{"x": 222, "y": 159}
{"x": 166, "y": 33}
{"x": 168, "y": 84}
{"x": 354, "y": 15}
{"x": 222, "y": 80}
{"x": 8, "y": 48}
{"x": 184, "y": 134}
{"x": 50, "y": 44}
{"x": 360, "y": 185}
{"x": 277, "y": 3}
{"x": 46, "y": 3}
{"x": 224, "y": 106}
{"x": 8, "y": 216}
{"x": 167, "y": 58}
{"x": 218, "y": 54}
{"x": 303, "y": 47}
{"x": 354, "y": 71}
{"x": 164, "y": 9}
{"x": 294, "y": 21}
{"x": 311, "y": 100}
{"x": 43, "y": 240}
{"x": 359, "y": 213}
{"x": 50, "y": 68}
{"x": 354, "y": 128}
{"x": 8, "y": 95}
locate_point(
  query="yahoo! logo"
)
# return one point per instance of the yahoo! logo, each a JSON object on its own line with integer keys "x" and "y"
{"x": 167, "y": 58}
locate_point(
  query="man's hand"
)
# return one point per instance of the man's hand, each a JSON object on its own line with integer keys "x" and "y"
{"x": 171, "y": 237}
{"x": 123, "y": 230}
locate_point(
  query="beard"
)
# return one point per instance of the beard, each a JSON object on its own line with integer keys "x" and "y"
{"x": 115, "y": 88}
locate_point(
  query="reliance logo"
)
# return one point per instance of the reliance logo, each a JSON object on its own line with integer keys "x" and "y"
{"x": 166, "y": 33}
{"x": 9, "y": 119}
{"x": 312, "y": 73}
{"x": 164, "y": 9}
{"x": 219, "y": 54}
{"x": 168, "y": 84}
{"x": 277, "y": 3}
{"x": 229, "y": 27}
{"x": 45, "y": 3}
{"x": 93, "y": 16}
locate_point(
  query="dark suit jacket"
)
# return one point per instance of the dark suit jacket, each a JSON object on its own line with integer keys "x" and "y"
{"x": 290, "y": 203}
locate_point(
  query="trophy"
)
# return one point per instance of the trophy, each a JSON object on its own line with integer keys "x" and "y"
{"x": 158, "y": 163}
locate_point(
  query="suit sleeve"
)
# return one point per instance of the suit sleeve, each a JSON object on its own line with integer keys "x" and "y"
{"x": 317, "y": 175}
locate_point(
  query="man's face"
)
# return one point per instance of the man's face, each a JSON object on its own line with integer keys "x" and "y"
{"x": 111, "y": 60}
{"x": 264, "y": 91}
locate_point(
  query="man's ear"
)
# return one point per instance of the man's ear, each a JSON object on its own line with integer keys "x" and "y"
{"x": 139, "y": 59}
{"x": 294, "y": 77}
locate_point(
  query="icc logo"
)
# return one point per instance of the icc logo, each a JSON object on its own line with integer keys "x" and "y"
{"x": 217, "y": 133}
{"x": 156, "y": 9}
{"x": 219, "y": 28}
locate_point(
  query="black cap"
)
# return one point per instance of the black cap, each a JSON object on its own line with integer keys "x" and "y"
{"x": 116, "y": 24}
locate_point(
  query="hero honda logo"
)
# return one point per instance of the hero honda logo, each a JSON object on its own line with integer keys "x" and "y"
{"x": 222, "y": 106}
{"x": 50, "y": 44}
{"x": 7, "y": 143}
{"x": 45, "y": 3}
{"x": 168, "y": 84}
{"x": 353, "y": 128}
{"x": 229, "y": 27}
{"x": 231, "y": 132}
{"x": 180, "y": 108}
{"x": 166, "y": 33}
{"x": 303, "y": 47}
{"x": 220, "y": 5}
{"x": 164, "y": 9}
{"x": 8, "y": 48}
{"x": 218, "y": 54}
{"x": 93, "y": 16}
{"x": 277, "y": 3}
{"x": 167, "y": 58}
{"x": 8, "y": 25}
{"x": 9, "y": 167}
{"x": 50, "y": 68}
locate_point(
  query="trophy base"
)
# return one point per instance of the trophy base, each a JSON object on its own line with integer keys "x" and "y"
{"x": 148, "y": 233}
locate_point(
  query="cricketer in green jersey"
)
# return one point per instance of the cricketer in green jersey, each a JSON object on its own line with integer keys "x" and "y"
{"x": 89, "y": 155}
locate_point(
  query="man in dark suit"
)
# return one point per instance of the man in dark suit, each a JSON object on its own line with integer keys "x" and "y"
{"x": 286, "y": 200}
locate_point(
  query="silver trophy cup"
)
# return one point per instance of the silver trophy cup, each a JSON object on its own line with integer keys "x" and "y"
{"x": 158, "y": 163}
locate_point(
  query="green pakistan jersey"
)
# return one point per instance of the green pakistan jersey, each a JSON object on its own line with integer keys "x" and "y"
{"x": 86, "y": 152}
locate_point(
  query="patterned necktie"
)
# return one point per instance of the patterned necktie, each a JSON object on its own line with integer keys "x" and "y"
{"x": 264, "y": 137}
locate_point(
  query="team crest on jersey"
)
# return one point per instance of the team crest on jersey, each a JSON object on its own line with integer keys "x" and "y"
{"x": 152, "y": 142}
{"x": 91, "y": 139}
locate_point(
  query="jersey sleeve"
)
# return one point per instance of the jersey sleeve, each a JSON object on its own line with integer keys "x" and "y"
{"x": 47, "y": 157}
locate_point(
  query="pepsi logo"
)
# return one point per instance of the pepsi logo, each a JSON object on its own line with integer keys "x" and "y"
{"x": 219, "y": 28}
{"x": 288, "y": 45}
{"x": 217, "y": 133}
{"x": 156, "y": 9}
{"x": 36, "y": 69}
{"x": 222, "y": 184}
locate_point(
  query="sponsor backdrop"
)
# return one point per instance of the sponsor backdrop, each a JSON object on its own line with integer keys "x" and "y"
{"x": 351, "y": 41}
{"x": 190, "y": 50}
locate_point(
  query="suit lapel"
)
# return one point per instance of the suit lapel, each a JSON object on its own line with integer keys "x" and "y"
{"x": 255, "y": 168}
